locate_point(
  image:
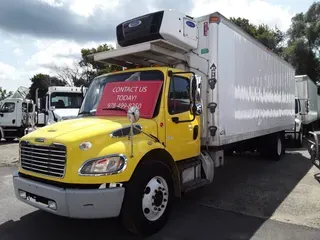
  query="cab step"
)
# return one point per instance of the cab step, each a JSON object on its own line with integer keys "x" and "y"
{"x": 189, "y": 186}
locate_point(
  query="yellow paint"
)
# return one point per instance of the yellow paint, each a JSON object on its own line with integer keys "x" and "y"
{"x": 96, "y": 130}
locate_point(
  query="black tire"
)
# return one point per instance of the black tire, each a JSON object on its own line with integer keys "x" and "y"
{"x": 228, "y": 152}
{"x": 132, "y": 212}
{"x": 9, "y": 140}
{"x": 277, "y": 148}
{"x": 299, "y": 141}
{"x": 269, "y": 146}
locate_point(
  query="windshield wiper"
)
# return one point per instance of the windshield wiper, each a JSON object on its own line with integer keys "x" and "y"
{"x": 115, "y": 108}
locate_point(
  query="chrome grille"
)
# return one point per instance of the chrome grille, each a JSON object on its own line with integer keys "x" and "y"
{"x": 48, "y": 160}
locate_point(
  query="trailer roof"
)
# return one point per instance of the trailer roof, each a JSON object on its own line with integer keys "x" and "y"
{"x": 235, "y": 27}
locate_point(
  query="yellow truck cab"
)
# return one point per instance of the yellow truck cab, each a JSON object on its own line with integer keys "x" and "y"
{"x": 129, "y": 154}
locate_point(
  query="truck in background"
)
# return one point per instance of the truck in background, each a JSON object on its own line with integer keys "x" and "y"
{"x": 59, "y": 103}
{"x": 307, "y": 109}
{"x": 19, "y": 115}
{"x": 16, "y": 118}
{"x": 151, "y": 133}
{"x": 307, "y": 93}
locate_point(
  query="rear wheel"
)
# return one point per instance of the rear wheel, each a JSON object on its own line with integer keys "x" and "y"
{"x": 148, "y": 199}
{"x": 277, "y": 148}
{"x": 273, "y": 146}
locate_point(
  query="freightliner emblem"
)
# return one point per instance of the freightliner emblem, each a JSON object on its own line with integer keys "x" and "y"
{"x": 40, "y": 139}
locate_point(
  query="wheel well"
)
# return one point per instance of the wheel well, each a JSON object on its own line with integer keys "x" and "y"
{"x": 164, "y": 157}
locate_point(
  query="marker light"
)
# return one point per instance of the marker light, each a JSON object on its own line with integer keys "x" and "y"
{"x": 85, "y": 146}
{"x": 52, "y": 205}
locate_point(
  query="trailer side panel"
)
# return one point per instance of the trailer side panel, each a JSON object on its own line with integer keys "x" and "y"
{"x": 256, "y": 90}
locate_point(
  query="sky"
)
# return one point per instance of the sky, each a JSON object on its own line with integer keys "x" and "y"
{"x": 38, "y": 35}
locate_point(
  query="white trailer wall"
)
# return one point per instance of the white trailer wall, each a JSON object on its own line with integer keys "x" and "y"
{"x": 256, "y": 89}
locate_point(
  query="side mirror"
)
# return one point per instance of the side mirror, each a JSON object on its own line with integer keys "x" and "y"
{"x": 196, "y": 108}
{"x": 133, "y": 114}
{"x": 199, "y": 108}
{"x": 83, "y": 90}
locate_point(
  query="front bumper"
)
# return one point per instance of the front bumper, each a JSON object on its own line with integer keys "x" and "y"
{"x": 73, "y": 203}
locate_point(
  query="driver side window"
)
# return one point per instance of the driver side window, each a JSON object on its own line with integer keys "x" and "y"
{"x": 179, "y": 95}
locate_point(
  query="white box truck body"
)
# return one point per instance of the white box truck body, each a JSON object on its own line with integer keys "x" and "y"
{"x": 255, "y": 88}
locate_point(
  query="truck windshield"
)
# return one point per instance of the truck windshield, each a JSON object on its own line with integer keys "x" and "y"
{"x": 66, "y": 100}
{"x": 93, "y": 95}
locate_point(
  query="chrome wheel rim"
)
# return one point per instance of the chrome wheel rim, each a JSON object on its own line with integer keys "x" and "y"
{"x": 155, "y": 198}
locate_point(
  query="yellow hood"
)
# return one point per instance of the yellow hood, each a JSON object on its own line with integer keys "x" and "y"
{"x": 70, "y": 131}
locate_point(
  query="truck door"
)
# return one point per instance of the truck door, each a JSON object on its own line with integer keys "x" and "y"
{"x": 182, "y": 139}
{"x": 8, "y": 114}
{"x": 24, "y": 114}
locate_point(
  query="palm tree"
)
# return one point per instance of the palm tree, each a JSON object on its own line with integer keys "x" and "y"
{"x": 4, "y": 94}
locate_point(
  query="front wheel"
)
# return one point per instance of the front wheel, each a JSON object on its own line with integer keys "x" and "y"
{"x": 148, "y": 199}
{"x": 299, "y": 141}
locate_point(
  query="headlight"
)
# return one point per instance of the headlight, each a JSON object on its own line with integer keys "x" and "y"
{"x": 106, "y": 165}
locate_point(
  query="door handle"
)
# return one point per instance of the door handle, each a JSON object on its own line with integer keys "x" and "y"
{"x": 1, "y": 114}
{"x": 175, "y": 119}
{"x": 195, "y": 132}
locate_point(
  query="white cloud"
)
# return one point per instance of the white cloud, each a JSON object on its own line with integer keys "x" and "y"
{"x": 257, "y": 11}
{"x": 11, "y": 78}
{"x": 57, "y": 54}
{"x": 86, "y": 8}
{"x": 18, "y": 51}
{"x": 5, "y": 70}
{"x": 60, "y": 53}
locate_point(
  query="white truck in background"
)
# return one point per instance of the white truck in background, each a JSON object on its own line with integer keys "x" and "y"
{"x": 19, "y": 116}
{"x": 307, "y": 93}
{"x": 307, "y": 109}
{"x": 16, "y": 118}
{"x": 59, "y": 103}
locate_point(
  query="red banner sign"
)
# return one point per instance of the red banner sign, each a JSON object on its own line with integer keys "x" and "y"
{"x": 142, "y": 94}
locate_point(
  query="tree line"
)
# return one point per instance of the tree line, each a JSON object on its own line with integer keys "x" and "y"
{"x": 299, "y": 45}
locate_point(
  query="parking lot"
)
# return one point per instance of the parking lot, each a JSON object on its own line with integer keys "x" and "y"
{"x": 250, "y": 198}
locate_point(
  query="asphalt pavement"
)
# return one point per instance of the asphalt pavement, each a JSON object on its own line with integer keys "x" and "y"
{"x": 250, "y": 198}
